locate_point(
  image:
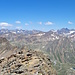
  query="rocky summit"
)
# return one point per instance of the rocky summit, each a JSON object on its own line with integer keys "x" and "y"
{"x": 26, "y": 62}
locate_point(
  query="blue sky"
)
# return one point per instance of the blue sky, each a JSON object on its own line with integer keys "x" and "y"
{"x": 37, "y": 14}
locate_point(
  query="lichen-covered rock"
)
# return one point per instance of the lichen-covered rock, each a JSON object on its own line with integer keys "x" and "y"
{"x": 26, "y": 62}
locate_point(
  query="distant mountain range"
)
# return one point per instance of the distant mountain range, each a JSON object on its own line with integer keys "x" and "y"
{"x": 19, "y": 31}
{"x": 36, "y": 35}
{"x": 63, "y": 31}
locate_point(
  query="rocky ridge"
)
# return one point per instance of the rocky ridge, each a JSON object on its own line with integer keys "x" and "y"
{"x": 26, "y": 62}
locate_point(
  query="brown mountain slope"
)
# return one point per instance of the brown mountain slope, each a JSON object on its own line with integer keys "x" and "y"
{"x": 62, "y": 50}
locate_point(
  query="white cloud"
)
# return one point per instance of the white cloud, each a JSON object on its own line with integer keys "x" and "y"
{"x": 69, "y": 22}
{"x": 18, "y": 22}
{"x": 26, "y": 24}
{"x": 40, "y": 23}
{"x": 48, "y": 23}
{"x": 4, "y": 24}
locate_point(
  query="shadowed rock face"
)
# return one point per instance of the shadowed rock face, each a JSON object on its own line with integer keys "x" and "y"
{"x": 5, "y": 47}
{"x": 2, "y": 40}
{"x": 26, "y": 62}
{"x": 4, "y": 44}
